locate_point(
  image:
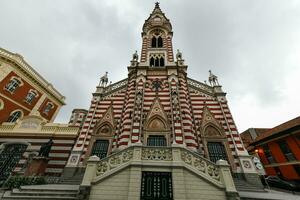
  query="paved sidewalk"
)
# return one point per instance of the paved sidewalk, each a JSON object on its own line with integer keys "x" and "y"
{"x": 270, "y": 194}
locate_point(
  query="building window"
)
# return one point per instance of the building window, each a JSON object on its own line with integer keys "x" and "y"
{"x": 14, "y": 116}
{"x": 13, "y": 84}
{"x": 156, "y": 42}
{"x": 216, "y": 151}
{"x": 156, "y": 186}
{"x": 157, "y": 61}
{"x": 48, "y": 107}
{"x": 268, "y": 154}
{"x": 9, "y": 157}
{"x": 156, "y": 140}
{"x": 286, "y": 150}
{"x": 30, "y": 96}
{"x": 100, "y": 148}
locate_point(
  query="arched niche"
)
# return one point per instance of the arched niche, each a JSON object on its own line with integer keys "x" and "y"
{"x": 101, "y": 140}
{"x": 158, "y": 131}
{"x": 156, "y": 124}
{"x": 215, "y": 144}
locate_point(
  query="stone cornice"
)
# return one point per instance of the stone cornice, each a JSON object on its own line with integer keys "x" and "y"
{"x": 36, "y": 78}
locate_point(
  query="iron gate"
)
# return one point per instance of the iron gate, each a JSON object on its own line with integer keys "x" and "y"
{"x": 156, "y": 186}
{"x": 9, "y": 157}
{"x": 216, "y": 151}
{"x": 100, "y": 148}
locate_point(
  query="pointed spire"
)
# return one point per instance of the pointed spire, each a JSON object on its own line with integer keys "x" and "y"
{"x": 157, "y": 19}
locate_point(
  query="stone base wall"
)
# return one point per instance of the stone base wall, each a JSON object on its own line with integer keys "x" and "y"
{"x": 126, "y": 184}
{"x": 115, "y": 187}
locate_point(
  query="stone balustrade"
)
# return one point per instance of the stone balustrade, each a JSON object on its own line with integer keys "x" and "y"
{"x": 218, "y": 174}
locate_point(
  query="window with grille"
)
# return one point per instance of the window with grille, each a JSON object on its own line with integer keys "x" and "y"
{"x": 216, "y": 151}
{"x": 268, "y": 154}
{"x": 9, "y": 157}
{"x": 30, "y": 96}
{"x": 100, "y": 148}
{"x": 286, "y": 150}
{"x": 156, "y": 186}
{"x": 12, "y": 85}
{"x": 156, "y": 140}
{"x": 14, "y": 116}
{"x": 48, "y": 107}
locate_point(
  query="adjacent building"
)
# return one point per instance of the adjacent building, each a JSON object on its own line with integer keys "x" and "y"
{"x": 24, "y": 91}
{"x": 279, "y": 150}
{"x": 21, "y": 141}
{"x": 249, "y": 135}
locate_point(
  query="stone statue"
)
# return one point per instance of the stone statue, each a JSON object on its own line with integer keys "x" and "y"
{"x": 178, "y": 55}
{"x": 104, "y": 80}
{"x": 213, "y": 79}
{"x": 45, "y": 149}
{"x": 135, "y": 56}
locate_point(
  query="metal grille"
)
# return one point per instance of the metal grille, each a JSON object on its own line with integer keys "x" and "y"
{"x": 9, "y": 157}
{"x": 156, "y": 140}
{"x": 100, "y": 148}
{"x": 216, "y": 151}
{"x": 156, "y": 186}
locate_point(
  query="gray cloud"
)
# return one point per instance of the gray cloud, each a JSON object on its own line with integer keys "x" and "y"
{"x": 253, "y": 46}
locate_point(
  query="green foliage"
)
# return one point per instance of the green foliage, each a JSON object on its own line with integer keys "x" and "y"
{"x": 17, "y": 181}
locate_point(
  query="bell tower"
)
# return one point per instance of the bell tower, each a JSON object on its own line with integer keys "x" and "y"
{"x": 157, "y": 36}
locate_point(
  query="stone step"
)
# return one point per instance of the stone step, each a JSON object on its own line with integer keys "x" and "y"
{"x": 11, "y": 196}
{"x": 47, "y": 193}
{"x": 242, "y": 185}
{"x": 51, "y": 187}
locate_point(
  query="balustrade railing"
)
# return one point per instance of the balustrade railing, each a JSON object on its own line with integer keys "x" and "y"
{"x": 199, "y": 85}
{"x": 157, "y": 155}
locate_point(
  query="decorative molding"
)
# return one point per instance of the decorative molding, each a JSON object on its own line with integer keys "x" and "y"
{"x": 157, "y": 154}
{"x": 200, "y": 164}
{"x": 114, "y": 161}
{"x": 200, "y": 86}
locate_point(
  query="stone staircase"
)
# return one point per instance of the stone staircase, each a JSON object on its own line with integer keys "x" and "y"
{"x": 74, "y": 180}
{"x": 40, "y": 192}
{"x": 242, "y": 185}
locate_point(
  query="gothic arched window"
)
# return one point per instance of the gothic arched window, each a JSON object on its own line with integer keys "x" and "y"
{"x": 14, "y": 116}
{"x": 159, "y": 42}
{"x": 161, "y": 62}
{"x": 151, "y": 61}
{"x": 153, "y": 43}
{"x": 157, "y": 61}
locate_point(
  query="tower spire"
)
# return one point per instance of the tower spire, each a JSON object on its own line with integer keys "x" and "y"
{"x": 157, "y": 36}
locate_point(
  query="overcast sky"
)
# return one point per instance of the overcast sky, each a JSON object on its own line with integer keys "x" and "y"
{"x": 253, "y": 46}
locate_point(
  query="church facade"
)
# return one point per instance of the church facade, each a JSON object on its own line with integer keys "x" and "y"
{"x": 159, "y": 132}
